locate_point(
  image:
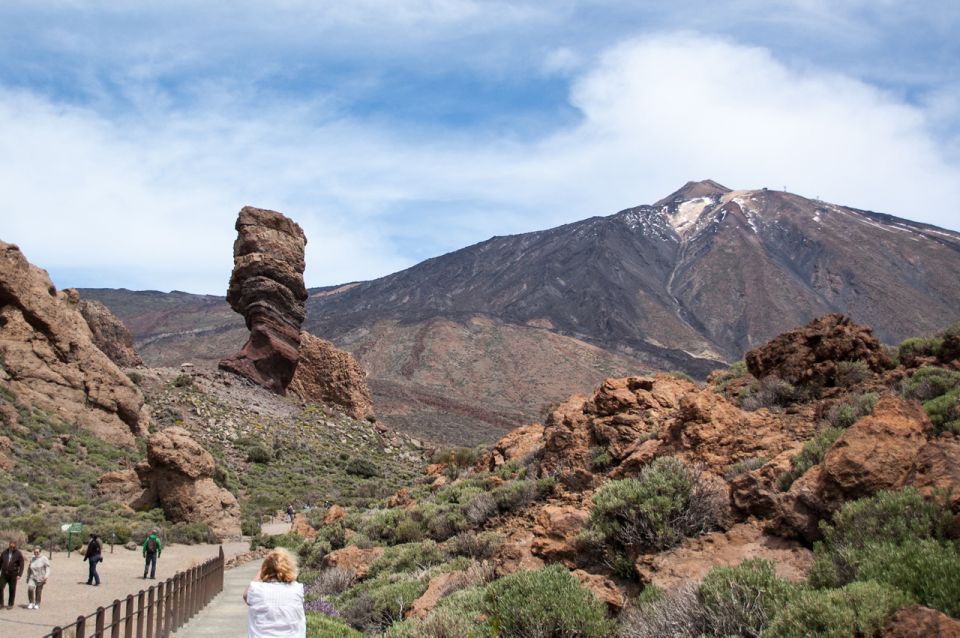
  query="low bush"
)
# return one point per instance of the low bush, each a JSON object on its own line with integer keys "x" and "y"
{"x": 768, "y": 392}
{"x": 545, "y": 603}
{"x": 812, "y": 453}
{"x": 846, "y": 414}
{"x": 377, "y": 603}
{"x": 473, "y": 545}
{"x": 408, "y": 558}
{"x": 655, "y": 511}
{"x": 892, "y": 518}
{"x": 929, "y": 382}
{"x": 259, "y": 454}
{"x": 850, "y": 373}
{"x": 323, "y": 626}
{"x": 913, "y": 349}
{"x": 743, "y": 600}
{"x": 189, "y": 534}
{"x": 675, "y": 613}
{"x": 359, "y": 466}
{"x": 743, "y": 466}
{"x": 859, "y": 609}
{"x": 944, "y": 412}
{"x": 331, "y": 582}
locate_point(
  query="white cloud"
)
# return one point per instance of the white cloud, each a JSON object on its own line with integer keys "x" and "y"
{"x": 153, "y": 197}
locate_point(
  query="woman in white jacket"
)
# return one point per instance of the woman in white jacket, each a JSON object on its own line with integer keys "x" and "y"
{"x": 275, "y": 599}
{"x": 37, "y": 574}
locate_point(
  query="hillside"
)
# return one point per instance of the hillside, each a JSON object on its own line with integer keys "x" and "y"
{"x": 461, "y": 346}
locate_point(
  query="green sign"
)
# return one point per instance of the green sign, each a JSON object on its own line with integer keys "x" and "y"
{"x": 75, "y": 528}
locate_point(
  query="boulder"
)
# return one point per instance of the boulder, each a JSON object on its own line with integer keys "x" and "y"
{"x": 603, "y": 588}
{"x": 125, "y": 486}
{"x": 353, "y": 559}
{"x": 437, "y": 588}
{"x": 109, "y": 333}
{"x": 878, "y": 452}
{"x": 178, "y": 477}
{"x": 51, "y": 362}
{"x": 326, "y": 374}
{"x": 267, "y": 288}
{"x": 302, "y": 526}
{"x": 693, "y": 558}
{"x": 525, "y": 442}
{"x": 515, "y": 555}
{"x": 401, "y": 498}
{"x": 334, "y": 514}
{"x": 556, "y": 533}
{"x": 937, "y": 469}
{"x": 921, "y": 622}
{"x": 809, "y": 356}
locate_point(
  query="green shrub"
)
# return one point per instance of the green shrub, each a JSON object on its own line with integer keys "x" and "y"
{"x": 548, "y": 602}
{"x": 929, "y": 570}
{"x": 407, "y": 558}
{"x": 743, "y": 466}
{"x": 359, "y": 466}
{"x": 189, "y": 534}
{"x": 845, "y": 415}
{"x": 323, "y": 626}
{"x": 743, "y": 600}
{"x": 929, "y": 382}
{"x": 768, "y": 392}
{"x": 812, "y": 453}
{"x": 600, "y": 459}
{"x": 377, "y": 603}
{"x": 859, "y": 609}
{"x": 259, "y": 454}
{"x": 912, "y": 349}
{"x": 655, "y": 511}
{"x": 944, "y": 412}
{"x": 472, "y": 545}
{"x": 886, "y": 518}
{"x": 851, "y": 373}
{"x": 183, "y": 381}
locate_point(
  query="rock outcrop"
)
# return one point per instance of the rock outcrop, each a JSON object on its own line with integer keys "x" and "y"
{"x": 921, "y": 622}
{"x": 267, "y": 288}
{"x": 810, "y": 355}
{"x": 109, "y": 333}
{"x": 327, "y": 374}
{"x": 48, "y": 358}
{"x": 178, "y": 477}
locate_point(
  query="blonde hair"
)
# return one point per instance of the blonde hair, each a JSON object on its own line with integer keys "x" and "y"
{"x": 279, "y": 565}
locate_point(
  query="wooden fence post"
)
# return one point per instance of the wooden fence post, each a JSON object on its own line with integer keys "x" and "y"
{"x": 128, "y": 623}
{"x": 98, "y": 632}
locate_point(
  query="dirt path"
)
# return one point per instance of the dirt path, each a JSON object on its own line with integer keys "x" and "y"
{"x": 66, "y": 595}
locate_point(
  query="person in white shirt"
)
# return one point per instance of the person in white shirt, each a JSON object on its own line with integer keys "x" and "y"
{"x": 37, "y": 574}
{"x": 275, "y": 599}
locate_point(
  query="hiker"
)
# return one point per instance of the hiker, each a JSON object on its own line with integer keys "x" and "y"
{"x": 11, "y": 568}
{"x": 151, "y": 552}
{"x": 290, "y": 513}
{"x": 94, "y": 555}
{"x": 275, "y": 599}
{"x": 37, "y": 574}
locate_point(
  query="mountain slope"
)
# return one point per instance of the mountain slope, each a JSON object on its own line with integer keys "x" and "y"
{"x": 465, "y": 345}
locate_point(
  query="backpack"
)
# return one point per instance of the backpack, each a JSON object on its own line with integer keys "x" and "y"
{"x": 152, "y": 545}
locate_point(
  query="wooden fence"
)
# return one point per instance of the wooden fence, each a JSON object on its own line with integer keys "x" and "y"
{"x": 155, "y": 613}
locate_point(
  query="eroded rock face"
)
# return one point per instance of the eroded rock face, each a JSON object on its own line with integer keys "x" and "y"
{"x": 50, "y": 360}
{"x": 353, "y": 559}
{"x": 556, "y": 533}
{"x": 267, "y": 288}
{"x": 525, "y": 442}
{"x": 109, "y": 333}
{"x": 810, "y": 355}
{"x": 178, "y": 477}
{"x": 326, "y": 374}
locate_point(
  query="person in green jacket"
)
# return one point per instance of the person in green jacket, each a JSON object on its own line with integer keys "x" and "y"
{"x": 151, "y": 552}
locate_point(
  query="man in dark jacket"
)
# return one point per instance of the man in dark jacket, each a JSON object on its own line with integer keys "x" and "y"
{"x": 93, "y": 555}
{"x": 11, "y": 568}
{"x": 151, "y": 552}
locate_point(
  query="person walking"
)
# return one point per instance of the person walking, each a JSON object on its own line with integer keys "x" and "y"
{"x": 151, "y": 552}
{"x": 93, "y": 555}
{"x": 290, "y": 512}
{"x": 275, "y": 599}
{"x": 11, "y": 568}
{"x": 37, "y": 573}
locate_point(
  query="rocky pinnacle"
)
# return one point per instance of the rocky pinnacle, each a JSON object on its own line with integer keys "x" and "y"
{"x": 267, "y": 288}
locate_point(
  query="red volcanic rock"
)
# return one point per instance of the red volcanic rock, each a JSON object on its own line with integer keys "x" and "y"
{"x": 879, "y": 452}
{"x": 437, "y": 588}
{"x": 334, "y": 514}
{"x": 809, "y": 355}
{"x": 353, "y": 559}
{"x": 515, "y": 555}
{"x": 51, "y": 362}
{"x": 109, "y": 333}
{"x": 937, "y": 469}
{"x": 302, "y": 526}
{"x": 603, "y": 588}
{"x": 267, "y": 288}
{"x": 921, "y": 622}
{"x": 326, "y": 374}
{"x": 180, "y": 475}
{"x": 556, "y": 533}
{"x": 521, "y": 443}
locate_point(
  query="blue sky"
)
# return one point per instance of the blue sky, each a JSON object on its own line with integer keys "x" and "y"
{"x": 131, "y": 133}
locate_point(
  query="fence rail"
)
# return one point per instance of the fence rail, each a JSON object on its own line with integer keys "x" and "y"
{"x": 154, "y": 613}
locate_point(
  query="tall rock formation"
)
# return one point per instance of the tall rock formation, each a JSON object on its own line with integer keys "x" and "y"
{"x": 48, "y": 358}
{"x": 267, "y": 288}
{"x": 109, "y": 333}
